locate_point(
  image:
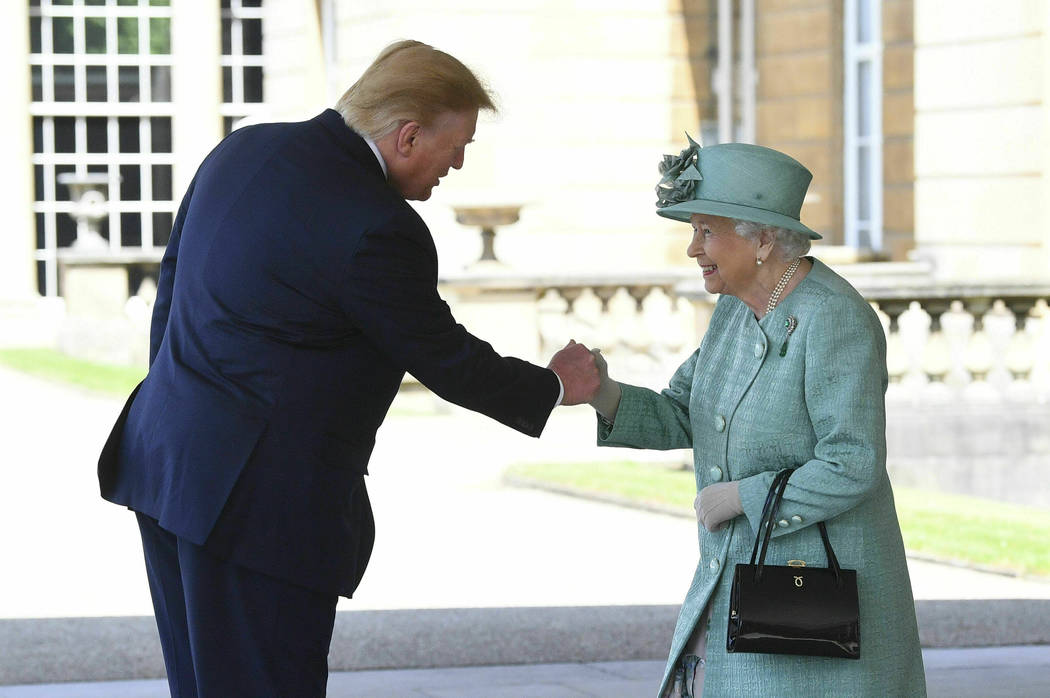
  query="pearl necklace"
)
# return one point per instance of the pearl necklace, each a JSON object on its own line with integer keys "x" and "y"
{"x": 774, "y": 297}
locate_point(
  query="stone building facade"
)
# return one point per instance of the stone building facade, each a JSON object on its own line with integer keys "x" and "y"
{"x": 926, "y": 126}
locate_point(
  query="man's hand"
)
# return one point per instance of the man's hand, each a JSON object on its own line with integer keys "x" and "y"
{"x": 578, "y": 372}
{"x": 718, "y": 503}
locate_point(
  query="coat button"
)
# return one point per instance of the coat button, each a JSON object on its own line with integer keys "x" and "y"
{"x": 713, "y": 564}
{"x": 720, "y": 423}
{"x": 797, "y": 519}
{"x": 760, "y": 349}
{"x": 715, "y": 473}
{"x": 783, "y": 523}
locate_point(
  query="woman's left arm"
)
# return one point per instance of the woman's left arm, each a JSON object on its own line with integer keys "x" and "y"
{"x": 845, "y": 387}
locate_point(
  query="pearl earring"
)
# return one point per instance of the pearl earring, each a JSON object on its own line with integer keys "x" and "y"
{"x": 758, "y": 261}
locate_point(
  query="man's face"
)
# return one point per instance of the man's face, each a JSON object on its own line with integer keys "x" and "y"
{"x": 437, "y": 147}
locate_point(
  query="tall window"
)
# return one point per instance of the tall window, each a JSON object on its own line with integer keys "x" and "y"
{"x": 242, "y": 60}
{"x": 101, "y": 104}
{"x": 862, "y": 153}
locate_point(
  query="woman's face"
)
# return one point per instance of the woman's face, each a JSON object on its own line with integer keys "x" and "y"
{"x": 726, "y": 259}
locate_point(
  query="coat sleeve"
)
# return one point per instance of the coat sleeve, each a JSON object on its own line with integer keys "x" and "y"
{"x": 647, "y": 419}
{"x": 391, "y": 295}
{"x": 166, "y": 278}
{"x": 845, "y": 386}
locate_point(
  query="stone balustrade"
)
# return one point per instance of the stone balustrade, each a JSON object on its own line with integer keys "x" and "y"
{"x": 945, "y": 342}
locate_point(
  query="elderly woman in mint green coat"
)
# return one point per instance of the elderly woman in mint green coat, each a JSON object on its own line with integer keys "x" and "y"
{"x": 791, "y": 372}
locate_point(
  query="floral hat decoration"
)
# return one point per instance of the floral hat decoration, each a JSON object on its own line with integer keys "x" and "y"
{"x": 734, "y": 180}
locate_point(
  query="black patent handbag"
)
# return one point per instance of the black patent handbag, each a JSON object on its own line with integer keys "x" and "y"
{"x": 793, "y": 609}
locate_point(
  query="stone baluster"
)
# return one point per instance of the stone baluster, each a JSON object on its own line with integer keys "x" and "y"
{"x": 957, "y": 328}
{"x": 999, "y": 326}
{"x": 1038, "y": 330}
{"x": 914, "y": 330}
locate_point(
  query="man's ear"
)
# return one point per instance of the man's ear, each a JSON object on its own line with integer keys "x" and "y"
{"x": 406, "y": 137}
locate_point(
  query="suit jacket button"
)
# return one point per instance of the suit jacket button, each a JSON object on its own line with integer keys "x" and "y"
{"x": 720, "y": 423}
{"x": 715, "y": 473}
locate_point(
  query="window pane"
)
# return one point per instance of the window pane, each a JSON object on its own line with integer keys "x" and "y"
{"x": 251, "y": 3}
{"x": 37, "y": 81}
{"x": 130, "y": 230}
{"x": 62, "y": 34}
{"x": 864, "y": 98}
{"x": 61, "y": 2}
{"x": 94, "y": 2}
{"x": 160, "y": 83}
{"x": 96, "y": 83}
{"x": 127, "y": 35}
{"x": 227, "y": 84}
{"x": 34, "y": 34}
{"x": 97, "y": 134}
{"x": 61, "y": 190}
{"x": 40, "y": 231}
{"x": 160, "y": 35}
{"x": 864, "y": 32}
{"x": 227, "y": 124}
{"x": 160, "y": 3}
{"x": 253, "y": 84}
{"x": 95, "y": 34}
{"x": 65, "y": 135}
{"x": 128, "y": 127}
{"x": 162, "y": 182}
{"x": 130, "y": 184}
{"x": 160, "y": 126}
{"x": 161, "y": 228}
{"x": 38, "y": 182}
{"x": 128, "y": 82}
{"x": 251, "y": 30}
{"x": 127, "y": 2}
{"x": 864, "y": 184}
{"x": 38, "y": 134}
{"x": 64, "y": 84}
{"x": 67, "y": 229}
{"x": 227, "y": 40}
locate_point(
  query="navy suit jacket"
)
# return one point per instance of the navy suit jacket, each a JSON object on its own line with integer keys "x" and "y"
{"x": 297, "y": 288}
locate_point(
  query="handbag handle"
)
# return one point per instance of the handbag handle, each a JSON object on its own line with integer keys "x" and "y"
{"x": 765, "y": 527}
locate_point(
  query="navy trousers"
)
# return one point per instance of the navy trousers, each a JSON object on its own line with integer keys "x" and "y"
{"x": 227, "y": 631}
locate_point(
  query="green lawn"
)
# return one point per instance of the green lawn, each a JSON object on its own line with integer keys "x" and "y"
{"x": 969, "y": 530}
{"x": 54, "y": 365}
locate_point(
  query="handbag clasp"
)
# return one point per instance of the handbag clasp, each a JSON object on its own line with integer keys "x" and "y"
{"x": 796, "y": 563}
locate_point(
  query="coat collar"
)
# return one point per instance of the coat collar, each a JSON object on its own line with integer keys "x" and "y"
{"x": 352, "y": 142}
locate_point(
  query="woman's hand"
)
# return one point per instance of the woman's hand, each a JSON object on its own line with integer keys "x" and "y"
{"x": 718, "y": 503}
{"x": 607, "y": 400}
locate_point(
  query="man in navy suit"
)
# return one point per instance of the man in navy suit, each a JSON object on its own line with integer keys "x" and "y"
{"x": 296, "y": 290}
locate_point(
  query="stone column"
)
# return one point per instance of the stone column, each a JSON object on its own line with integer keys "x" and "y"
{"x": 980, "y": 111}
{"x": 17, "y": 275}
{"x": 196, "y": 52}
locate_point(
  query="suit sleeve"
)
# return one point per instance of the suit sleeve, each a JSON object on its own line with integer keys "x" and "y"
{"x": 845, "y": 385}
{"x": 166, "y": 278}
{"x": 391, "y": 296}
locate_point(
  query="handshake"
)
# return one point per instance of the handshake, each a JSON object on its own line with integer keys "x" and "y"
{"x": 585, "y": 377}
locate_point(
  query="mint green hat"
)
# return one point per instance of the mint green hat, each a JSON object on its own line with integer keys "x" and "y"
{"x": 734, "y": 180}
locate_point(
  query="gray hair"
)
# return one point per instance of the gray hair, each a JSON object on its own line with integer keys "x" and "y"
{"x": 789, "y": 243}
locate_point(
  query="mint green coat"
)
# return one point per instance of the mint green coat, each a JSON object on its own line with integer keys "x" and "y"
{"x": 747, "y": 412}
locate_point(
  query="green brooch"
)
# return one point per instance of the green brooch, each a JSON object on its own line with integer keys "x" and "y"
{"x": 789, "y": 324}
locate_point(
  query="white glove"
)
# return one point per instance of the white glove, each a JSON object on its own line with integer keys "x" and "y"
{"x": 718, "y": 503}
{"x": 607, "y": 400}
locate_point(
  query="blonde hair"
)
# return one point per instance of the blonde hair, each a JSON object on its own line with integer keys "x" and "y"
{"x": 410, "y": 81}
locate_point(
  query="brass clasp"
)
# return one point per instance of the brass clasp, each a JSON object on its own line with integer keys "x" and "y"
{"x": 796, "y": 563}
